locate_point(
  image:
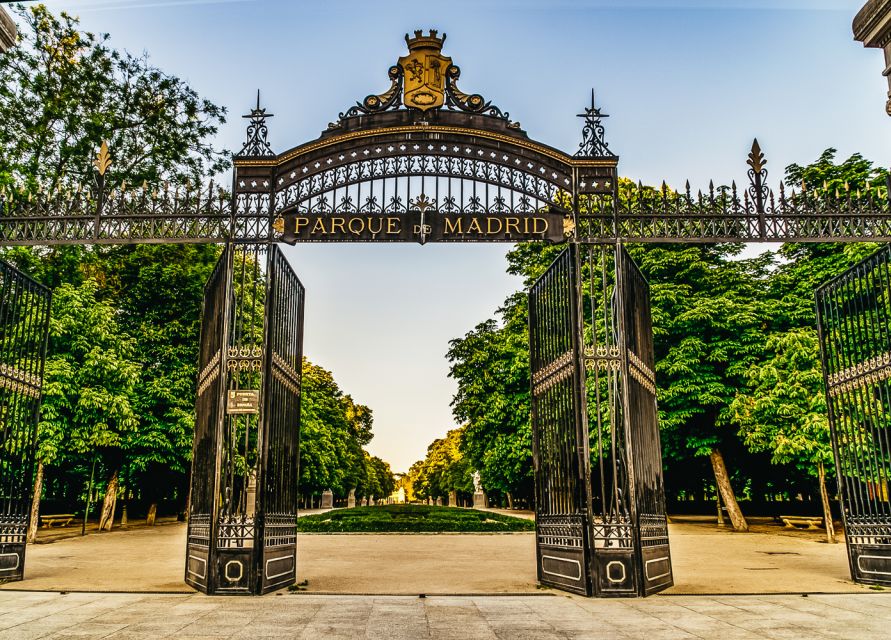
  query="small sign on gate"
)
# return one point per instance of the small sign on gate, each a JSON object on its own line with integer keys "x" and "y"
{"x": 242, "y": 401}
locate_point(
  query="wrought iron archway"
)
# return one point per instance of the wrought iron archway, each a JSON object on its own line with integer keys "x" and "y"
{"x": 423, "y": 161}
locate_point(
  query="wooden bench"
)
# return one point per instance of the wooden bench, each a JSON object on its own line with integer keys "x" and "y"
{"x": 797, "y": 522}
{"x": 49, "y": 520}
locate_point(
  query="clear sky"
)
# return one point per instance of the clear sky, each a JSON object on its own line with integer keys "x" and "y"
{"x": 688, "y": 84}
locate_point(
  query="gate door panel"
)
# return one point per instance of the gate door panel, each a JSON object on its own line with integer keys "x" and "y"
{"x": 642, "y": 427}
{"x": 24, "y": 324}
{"x": 560, "y": 450}
{"x": 854, "y": 318}
{"x": 242, "y": 520}
{"x": 277, "y": 494}
{"x": 209, "y": 408}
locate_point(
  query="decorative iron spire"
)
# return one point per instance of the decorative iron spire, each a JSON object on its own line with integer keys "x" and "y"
{"x": 758, "y": 189}
{"x": 257, "y": 144}
{"x": 593, "y": 141}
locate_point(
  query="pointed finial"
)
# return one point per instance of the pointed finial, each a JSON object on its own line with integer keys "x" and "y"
{"x": 593, "y": 139}
{"x": 257, "y": 143}
{"x": 756, "y": 157}
{"x": 103, "y": 159}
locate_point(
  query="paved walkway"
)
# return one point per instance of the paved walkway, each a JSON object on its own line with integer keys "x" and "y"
{"x": 706, "y": 560}
{"x": 29, "y": 616}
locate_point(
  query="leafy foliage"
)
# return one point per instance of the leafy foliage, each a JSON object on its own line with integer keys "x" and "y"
{"x": 491, "y": 366}
{"x": 63, "y": 91}
{"x": 737, "y": 358}
{"x": 782, "y": 409}
{"x": 443, "y": 470}
{"x": 333, "y": 432}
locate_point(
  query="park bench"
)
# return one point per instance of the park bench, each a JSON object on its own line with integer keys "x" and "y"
{"x": 49, "y": 520}
{"x": 797, "y": 522}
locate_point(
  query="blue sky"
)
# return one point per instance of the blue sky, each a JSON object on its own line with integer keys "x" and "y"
{"x": 688, "y": 84}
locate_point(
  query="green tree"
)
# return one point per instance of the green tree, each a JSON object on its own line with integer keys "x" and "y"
{"x": 782, "y": 409}
{"x": 333, "y": 431}
{"x": 159, "y": 290}
{"x": 64, "y": 91}
{"x": 444, "y": 469}
{"x": 491, "y": 367}
{"x": 90, "y": 384}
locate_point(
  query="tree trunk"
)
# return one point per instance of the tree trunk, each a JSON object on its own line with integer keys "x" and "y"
{"x": 510, "y": 500}
{"x": 827, "y": 511}
{"x": 152, "y": 512}
{"x": 106, "y": 518}
{"x": 723, "y": 482}
{"x": 35, "y": 504}
{"x": 720, "y": 509}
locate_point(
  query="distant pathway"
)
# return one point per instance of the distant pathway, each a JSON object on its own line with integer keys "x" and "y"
{"x": 707, "y": 560}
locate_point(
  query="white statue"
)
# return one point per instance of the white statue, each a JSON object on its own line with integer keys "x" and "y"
{"x": 477, "y": 482}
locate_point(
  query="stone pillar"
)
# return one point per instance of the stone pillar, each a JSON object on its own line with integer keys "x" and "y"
{"x": 872, "y": 27}
{"x": 351, "y": 499}
{"x": 8, "y": 31}
{"x": 370, "y": 501}
{"x": 453, "y": 498}
{"x": 327, "y": 499}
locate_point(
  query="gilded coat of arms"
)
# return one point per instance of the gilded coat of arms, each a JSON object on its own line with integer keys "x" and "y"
{"x": 424, "y": 71}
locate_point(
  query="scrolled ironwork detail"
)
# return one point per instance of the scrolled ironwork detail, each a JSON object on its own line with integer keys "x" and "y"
{"x": 471, "y": 102}
{"x": 18, "y": 381}
{"x": 593, "y": 144}
{"x": 860, "y": 375}
{"x": 553, "y": 373}
{"x": 244, "y": 358}
{"x": 257, "y": 144}
{"x": 560, "y": 531}
{"x": 758, "y": 190}
{"x": 641, "y": 372}
{"x": 375, "y": 103}
{"x": 285, "y": 373}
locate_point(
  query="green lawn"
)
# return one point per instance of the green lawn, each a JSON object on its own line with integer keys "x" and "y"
{"x": 410, "y": 518}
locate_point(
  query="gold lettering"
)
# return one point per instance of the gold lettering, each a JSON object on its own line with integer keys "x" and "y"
{"x": 535, "y": 222}
{"x": 300, "y": 222}
{"x": 393, "y": 225}
{"x": 319, "y": 226}
{"x": 474, "y": 226}
{"x": 489, "y": 222}
{"x": 380, "y": 225}
{"x": 453, "y": 226}
{"x": 337, "y": 224}
{"x": 526, "y": 226}
{"x": 361, "y": 226}
{"x": 513, "y": 222}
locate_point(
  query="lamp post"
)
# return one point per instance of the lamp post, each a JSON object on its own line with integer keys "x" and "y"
{"x": 872, "y": 27}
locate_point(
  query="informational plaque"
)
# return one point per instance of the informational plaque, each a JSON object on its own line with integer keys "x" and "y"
{"x": 243, "y": 401}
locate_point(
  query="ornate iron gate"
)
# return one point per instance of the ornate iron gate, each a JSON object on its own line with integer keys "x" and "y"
{"x": 854, "y": 320}
{"x": 641, "y": 422}
{"x": 24, "y": 323}
{"x": 242, "y": 520}
{"x": 279, "y": 464}
{"x": 560, "y": 451}
{"x": 600, "y": 503}
{"x": 209, "y": 408}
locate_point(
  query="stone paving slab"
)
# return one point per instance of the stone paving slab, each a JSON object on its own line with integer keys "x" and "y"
{"x": 91, "y": 616}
